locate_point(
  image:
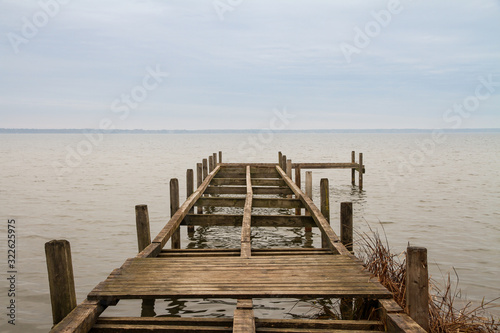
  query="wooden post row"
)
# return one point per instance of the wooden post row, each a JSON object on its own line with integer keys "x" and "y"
{"x": 61, "y": 279}
{"x": 417, "y": 286}
{"x": 174, "y": 206}
{"x": 220, "y": 156}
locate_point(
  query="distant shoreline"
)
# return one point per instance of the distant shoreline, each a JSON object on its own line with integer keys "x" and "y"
{"x": 235, "y": 131}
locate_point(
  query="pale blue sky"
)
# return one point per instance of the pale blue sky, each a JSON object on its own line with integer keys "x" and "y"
{"x": 68, "y": 65}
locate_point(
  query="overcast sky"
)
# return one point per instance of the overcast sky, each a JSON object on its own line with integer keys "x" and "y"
{"x": 237, "y": 63}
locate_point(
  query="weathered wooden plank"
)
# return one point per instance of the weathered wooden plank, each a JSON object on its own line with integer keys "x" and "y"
{"x": 257, "y": 202}
{"x": 234, "y": 277}
{"x": 244, "y": 320}
{"x": 320, "y": 220}
{"x": 320, "y": 324}
{"x": 106, "y": 328}
{"x": 402, "y": 323}
{"x": 264, "y": 173}
{"x": 81, "y": 319}
{"x": 242, "y": 190}
{"x": 241, "y": 181}
{"x": 290, "y": 221}
{"x": 151, "y": 251}
{"x": 326, "y": 165}
{"x": 181, "y": 213}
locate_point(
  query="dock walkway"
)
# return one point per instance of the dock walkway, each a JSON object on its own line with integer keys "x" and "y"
{"x": 249, "y": 271}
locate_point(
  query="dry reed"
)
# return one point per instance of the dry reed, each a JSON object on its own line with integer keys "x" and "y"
{"x": 447, "y": 311}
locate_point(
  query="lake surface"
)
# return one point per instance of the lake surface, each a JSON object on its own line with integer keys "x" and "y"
{"x": 442, "y": 193}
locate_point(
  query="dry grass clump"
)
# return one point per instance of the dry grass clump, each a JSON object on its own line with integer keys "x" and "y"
{"x": 447, "y": 311}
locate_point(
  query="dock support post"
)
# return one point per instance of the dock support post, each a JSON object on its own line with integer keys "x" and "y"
{"x": 205, "y": 168}
{"x": 220, "y": 156}
{"x": 360, "y": 171}
{"x": 353, "y": 170}
{"x": 210, "y": 163}
{"x": 61, "y": 279}
{"x": 346, "y": 225}
{"x": 189, "y": 191}
{"x": 289, "y": 168}
{"x": 417, "y": 286}
{"x": 283, "y": 163}
{"x": 325, "y": 206}
{"x": 142, "y": 225}
{"x": 174, "y": 206}
{"x": 280, "y": 159}
{"x": 309, "y": 193}
{"x": 215, "y": 159}
{"x": 199, "y": 181}
{"x": 298, "y": 211}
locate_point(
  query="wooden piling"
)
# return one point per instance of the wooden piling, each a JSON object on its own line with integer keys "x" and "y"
{"x": 280, "y": 159}
{"x": 417, "y": 286}
{"x": 309, "y": 194}
{"x": 360, "y": 171}
{"x": 346, "y": 225}
{"x": 189, "y": 191}
{"x": 289, "y": 168}
{"x": 174, "y": 206}
{"x": 215, "y": 159}
{"x": 211, "y": 163}
{"x": 205, "y": 168}
{"x": 353, "y": 170}
{"x": 199, "y": 174}
{"x": 298, "y": 211}
{"x": 220, "y": 156}
{"x": 325, "y": 207}
{"x": 142, "y": 225}
{"x": 61, "y": 279}
{"x": 283, "y": 163}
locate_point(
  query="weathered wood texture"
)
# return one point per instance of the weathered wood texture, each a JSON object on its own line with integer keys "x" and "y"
{"x": 81, "y": 319}
{"x": 417, "y": 285}
{"x": 360, "y": 171}
{"x": 247, "y": 218}
{"x": 311, "y": 276}
{"x": 174, "y": 207}
{"x": 220, "y": 157}
{"x": 325, "y": 206}
{"x": 346, "y": 225}
{"x": 257, "y": 202}
{"x": 61, "y": 280}
{"x": 244, "y": 320}
{"x": 290, "y": 221}
{"x": 189, "y": 191}
{"x": 242, "y": 190}
{"x": 353, "y": 170}
{"x": 142, "y": 226}
{"x": 205, "y": 168}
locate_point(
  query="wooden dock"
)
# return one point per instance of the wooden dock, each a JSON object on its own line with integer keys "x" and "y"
{"x": 244, "y": 273}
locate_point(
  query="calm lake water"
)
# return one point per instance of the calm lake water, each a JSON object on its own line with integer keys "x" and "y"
{"x": 440, "y": 193}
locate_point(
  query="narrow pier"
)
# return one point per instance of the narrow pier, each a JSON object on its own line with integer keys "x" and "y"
{"x": 244, "y": 273}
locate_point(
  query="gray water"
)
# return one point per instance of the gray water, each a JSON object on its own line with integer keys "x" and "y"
{"x": 443, "y": 195}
